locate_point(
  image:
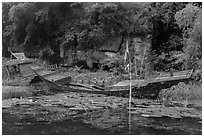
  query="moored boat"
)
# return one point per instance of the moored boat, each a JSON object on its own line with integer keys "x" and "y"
{"x": 18, "y": 71}
{"x": 149, "y": 88}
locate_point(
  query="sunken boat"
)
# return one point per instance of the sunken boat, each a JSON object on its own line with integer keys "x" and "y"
{"x": 143, "y": 88}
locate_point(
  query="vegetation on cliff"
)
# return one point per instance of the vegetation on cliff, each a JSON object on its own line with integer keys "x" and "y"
{"x": 46, "y": 30}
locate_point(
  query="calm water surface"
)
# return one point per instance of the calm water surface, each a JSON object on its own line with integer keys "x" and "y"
{"x": 35, "y": 120}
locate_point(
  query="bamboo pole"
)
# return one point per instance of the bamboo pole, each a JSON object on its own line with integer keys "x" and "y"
{"x": 129, "y": 122}
{"x": 129, "y": 60}
{"x": 130, "y": 93}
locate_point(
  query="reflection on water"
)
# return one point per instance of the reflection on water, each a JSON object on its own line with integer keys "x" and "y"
{"x": 13, "y": 126}
{"x": 38, "y": 120}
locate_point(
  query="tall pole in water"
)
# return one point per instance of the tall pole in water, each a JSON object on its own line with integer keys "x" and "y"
{"x": 127, "y": 55}
{"x": 130, "y": 93}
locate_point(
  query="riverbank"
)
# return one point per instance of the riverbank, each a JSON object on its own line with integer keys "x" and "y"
{"x": 85, "y": 102}
{"x": 34, "y": 105}
{"x": 183, "y": 93}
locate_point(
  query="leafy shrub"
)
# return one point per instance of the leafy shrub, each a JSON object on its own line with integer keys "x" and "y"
{"x": 197, "y": 75}
{"x": 15, "y": 92}
{"x": 181, "y": 92}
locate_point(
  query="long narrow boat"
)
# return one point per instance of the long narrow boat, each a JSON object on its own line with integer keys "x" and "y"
{"x": 149, "y": 88}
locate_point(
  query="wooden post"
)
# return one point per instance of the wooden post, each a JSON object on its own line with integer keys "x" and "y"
{"x": 130, "y": 93}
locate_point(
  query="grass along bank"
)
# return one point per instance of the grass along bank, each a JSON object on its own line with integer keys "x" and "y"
{"x": 15, "y": 92}
{"x": 184, "y": 94}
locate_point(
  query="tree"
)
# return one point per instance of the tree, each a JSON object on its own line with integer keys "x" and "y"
{"x": 172, "y": 27}
{"x": 189, "y": 20}
{"x": 166, "y": 35}
{"x": 7, "y": 27}
{"x": 35, "y": 25}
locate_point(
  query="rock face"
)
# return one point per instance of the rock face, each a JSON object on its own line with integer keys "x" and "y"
{"x": 112, "y": 44}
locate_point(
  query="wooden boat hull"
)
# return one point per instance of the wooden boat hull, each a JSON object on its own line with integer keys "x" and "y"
{"x": 57, "y": 87}
{"x": 149, "y": 89}
{"x": 152, "y": 89}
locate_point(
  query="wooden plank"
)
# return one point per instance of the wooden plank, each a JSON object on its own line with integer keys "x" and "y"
{"x": 64, "y": 80}
{"x": 127, "y": 83}
{"x": 55, "y": 77}
{"x": 143, "y": 82}
{"x": 45, "y": 72}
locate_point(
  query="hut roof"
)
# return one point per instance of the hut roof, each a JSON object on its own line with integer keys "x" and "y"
{"x": 18, "y": 62}
{"x": 20, "y": 59}
{"x": 19, "y": 56}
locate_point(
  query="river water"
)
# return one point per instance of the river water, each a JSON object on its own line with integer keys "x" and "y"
{"x": 47, "y": 116}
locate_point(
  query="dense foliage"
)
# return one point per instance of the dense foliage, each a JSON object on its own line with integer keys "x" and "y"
{"x": 46, "y": 29}
{"x": 181, "y": 93}
{"x": 189, "y": 20}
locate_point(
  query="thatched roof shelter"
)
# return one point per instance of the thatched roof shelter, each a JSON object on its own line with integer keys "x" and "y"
{"x": 19, "y": 66}
{"x": 19, "y": 59}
